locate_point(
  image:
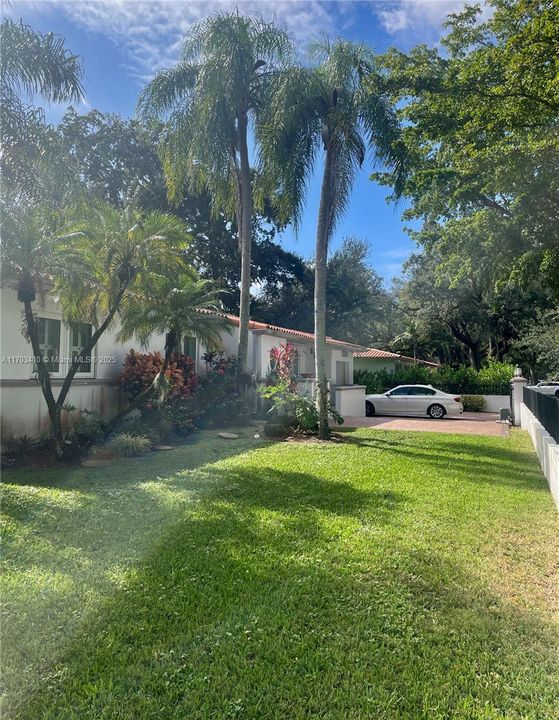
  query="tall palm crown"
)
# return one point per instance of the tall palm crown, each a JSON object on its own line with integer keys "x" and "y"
{"x": 30, "y": 64}
{"x": 335, "y": 106}
{"x": 210, "y": 101}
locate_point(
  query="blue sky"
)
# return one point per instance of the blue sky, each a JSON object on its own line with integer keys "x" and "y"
{"x": 124, "y": 42}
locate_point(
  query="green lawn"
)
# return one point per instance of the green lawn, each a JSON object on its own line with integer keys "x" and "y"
{"x": 394, "y": 575}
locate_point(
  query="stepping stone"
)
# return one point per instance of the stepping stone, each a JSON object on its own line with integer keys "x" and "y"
{"x": 162, "y": 447}
{"x": 228, "y": 436}
{"x": 96, "y": 463}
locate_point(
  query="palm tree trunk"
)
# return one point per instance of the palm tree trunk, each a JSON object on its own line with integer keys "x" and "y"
{"x": 245, "y": 233}
{"x": 320, "y": 269}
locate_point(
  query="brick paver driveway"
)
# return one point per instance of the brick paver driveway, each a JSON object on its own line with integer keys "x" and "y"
{"x": 469, "y": 423}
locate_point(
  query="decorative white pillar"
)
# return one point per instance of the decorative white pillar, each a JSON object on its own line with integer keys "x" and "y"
{"x": 518, "y": 383}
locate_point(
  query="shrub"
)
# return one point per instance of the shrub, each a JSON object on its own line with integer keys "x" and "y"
{"x": 211, "y": 400}
{"x": 219, "y": 400}
{"x": 131, "y": 445}
{"x": 292, "y": 411}
{"x": 281, "y": 365}
{"x": 85, "y": 428}
{"x": 492, "y": 379}
{"x": 141, "y": 369}
{"x": 473, "y": 403}
{"x": 21, "y": 446}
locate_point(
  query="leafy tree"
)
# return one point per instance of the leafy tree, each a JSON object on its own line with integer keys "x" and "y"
{"x": 30, "y": 64}
{"x": 117, "y": 158}
{"x": 358, "y": 308}
{"x": 467, "y": 320}
{"x": 537, "y": 346}
{"x": 93, "y": 258}
{"x": 326, "y": 108}
{"x": 481, "y": 122}
{"x": 211, "y": 97}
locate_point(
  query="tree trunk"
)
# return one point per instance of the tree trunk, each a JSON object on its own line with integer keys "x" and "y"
{"x": 88, "y": 349}
{"x": 171, "y": 341}
{"x": 244, "y": 223}
{"x": 320, "y": 269}
{"x": 44, "y": 378}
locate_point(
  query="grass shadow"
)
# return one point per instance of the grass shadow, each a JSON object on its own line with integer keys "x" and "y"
{"x": 272, "y": 598}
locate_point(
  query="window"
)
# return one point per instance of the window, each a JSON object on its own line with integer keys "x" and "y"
{"x": 401, "y": 391}
{"x": 295, "y": 364}
{"x": 189, "y": 347}
{"x": 80, "y": 335}
{"x": 421, "y": 391}
{"x": 49, "y": 342}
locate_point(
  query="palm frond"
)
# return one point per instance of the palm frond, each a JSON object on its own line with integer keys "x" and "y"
{"x": 32, "y": 63}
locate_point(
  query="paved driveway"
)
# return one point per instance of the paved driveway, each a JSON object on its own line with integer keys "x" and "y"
{"x": 469, "y": 423}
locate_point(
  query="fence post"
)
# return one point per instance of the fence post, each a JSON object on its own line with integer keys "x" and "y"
{"x": 517, "y": 387}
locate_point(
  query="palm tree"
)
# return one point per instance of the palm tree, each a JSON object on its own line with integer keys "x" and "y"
{"x": 339, "y": 108}
{"x": 210, "y": 99}
{"x": 91, "y": 259}
{"x": 174, "y": 307}
{"x": 30, "y": 64}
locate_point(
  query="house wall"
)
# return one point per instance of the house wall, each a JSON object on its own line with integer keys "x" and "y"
{"x": 23, "y": 409}
{"x": 22, "y": 406}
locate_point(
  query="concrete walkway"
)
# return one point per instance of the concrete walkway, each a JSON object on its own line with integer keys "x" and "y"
{"x": 469, "y": 423}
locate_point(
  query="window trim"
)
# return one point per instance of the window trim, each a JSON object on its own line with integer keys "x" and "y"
{"x": 81, "y": 373}
{"x": 64, "y": 348}
{"x": 48, "y": 315}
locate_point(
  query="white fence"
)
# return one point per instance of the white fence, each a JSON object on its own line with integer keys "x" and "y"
{"x": 546, "y": 448}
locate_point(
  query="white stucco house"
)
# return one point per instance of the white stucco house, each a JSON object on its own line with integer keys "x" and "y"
{"x": 23, "y": 409}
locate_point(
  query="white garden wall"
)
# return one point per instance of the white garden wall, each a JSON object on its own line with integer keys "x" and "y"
{"x": 493, "y": 403}
{"x": 546, "y": 448}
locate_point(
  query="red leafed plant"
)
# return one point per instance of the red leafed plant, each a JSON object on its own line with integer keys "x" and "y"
{"x": 141, "y": 369}
{"x": 281, "y": 365}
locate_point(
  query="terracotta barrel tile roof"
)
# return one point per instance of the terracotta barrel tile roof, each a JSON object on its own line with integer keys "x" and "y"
{"x": 386, "y": 355}
{"x": 255, "y": 325}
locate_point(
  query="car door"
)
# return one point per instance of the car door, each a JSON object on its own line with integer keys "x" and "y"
{"x": 419, "y": 400}
{"x": 396, "y": 402}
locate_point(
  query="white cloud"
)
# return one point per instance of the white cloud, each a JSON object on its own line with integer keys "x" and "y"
{"x": 418, "y": 16}
{"x": 151, "y": 31}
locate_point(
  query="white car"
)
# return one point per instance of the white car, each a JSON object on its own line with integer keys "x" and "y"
{"x": 414, "y": 400}
{"x": 548, "y": 387}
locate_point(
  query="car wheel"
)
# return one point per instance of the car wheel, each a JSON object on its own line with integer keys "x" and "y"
{"x": 436, "y": 412}
{"x": 369, "y": 409}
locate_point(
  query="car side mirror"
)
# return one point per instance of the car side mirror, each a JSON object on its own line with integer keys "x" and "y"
{"x": 388, "y": 394}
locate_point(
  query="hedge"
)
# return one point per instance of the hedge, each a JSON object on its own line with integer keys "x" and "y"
{"x": 493, "y": 379}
